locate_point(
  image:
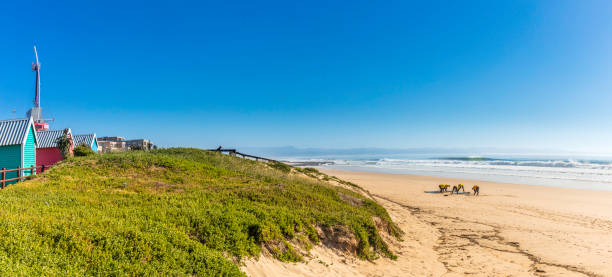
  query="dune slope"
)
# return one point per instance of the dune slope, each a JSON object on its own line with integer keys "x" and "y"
{"x": 177, "y": 212}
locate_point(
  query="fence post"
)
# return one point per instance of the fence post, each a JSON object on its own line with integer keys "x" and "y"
{"x": 3, "y": 176}
{"x": 42, "y": 169}
{"x": 32, "y": 170}
{"x": 19, "y": 175}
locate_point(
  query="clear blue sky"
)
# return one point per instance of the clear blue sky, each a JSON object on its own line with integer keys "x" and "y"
{"x": 518, "y": 74}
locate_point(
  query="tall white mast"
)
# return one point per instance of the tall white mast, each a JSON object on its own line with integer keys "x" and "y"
{"x": 36, "y": 67}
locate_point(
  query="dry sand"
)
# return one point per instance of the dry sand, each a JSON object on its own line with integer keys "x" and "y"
{"x": 509, "y": 230}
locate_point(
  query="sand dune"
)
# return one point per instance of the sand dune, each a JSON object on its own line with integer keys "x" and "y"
{"x": 509, "y": 230}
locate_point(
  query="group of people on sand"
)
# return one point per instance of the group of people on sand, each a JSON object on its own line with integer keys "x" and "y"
{"x": 444, "y": 188}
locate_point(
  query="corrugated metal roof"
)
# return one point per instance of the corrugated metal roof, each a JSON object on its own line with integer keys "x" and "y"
{"x": 13, "y": 131}
{"x": 48, "y": 139}
{"x": 83, "y": 139}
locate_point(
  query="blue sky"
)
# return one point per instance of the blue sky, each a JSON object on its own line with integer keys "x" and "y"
{"x": 393, "y": 74}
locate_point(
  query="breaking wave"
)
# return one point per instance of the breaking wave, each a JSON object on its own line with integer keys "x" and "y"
{"x": 597, "y": 173}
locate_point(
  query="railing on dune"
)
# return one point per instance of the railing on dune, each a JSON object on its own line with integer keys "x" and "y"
{"x": 233, "y": 152}
{"x": 20, "y": 174}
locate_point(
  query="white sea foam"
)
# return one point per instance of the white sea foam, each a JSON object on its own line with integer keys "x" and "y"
{"x": 556, "y": 172}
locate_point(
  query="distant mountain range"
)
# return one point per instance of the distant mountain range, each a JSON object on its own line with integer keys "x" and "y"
{"x": 291, "y": 151}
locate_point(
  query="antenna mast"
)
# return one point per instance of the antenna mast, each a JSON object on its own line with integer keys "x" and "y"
{"x": 36, "y": 111}
{"x": 36, "y": 67}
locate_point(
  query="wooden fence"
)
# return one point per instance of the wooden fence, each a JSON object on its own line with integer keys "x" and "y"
{"x": 233, "y": 152}
{"x": 33, "y": 170}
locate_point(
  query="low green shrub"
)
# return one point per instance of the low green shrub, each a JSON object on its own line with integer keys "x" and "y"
{"x": 83, "y": 150}
{"x": 171, "y": 212}
{"x": 280, "y": 166}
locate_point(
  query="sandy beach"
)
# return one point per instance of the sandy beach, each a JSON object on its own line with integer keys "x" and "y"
{"x": 509, "y": 230}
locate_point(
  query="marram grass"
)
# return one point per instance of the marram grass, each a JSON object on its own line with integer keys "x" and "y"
{"x": 171, "y": 212}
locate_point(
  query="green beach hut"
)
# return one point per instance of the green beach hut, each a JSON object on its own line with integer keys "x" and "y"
{"x": 89, "y": 140}
{"x": 17, "y": 145}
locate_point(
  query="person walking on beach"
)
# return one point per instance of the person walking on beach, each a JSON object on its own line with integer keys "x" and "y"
{"x": 476, "y": 189}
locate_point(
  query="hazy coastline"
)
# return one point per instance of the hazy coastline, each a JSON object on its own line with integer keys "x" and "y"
{"x": 557, "y": 170}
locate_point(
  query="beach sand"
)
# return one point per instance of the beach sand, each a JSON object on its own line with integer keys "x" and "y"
{"x": 509, "y": 230}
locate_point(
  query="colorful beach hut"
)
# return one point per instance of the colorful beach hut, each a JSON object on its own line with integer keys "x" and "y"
{"x": 18, "y": 142}
{"x": 47, "y": 152}
{"x": 88, "y": 139}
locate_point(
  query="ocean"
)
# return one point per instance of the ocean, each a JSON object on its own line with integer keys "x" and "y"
{"x": 585, "y": 172}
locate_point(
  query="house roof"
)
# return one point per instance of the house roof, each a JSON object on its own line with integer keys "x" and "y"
{"x": 14, "y": 131}
{"x": 47, "y": 139}
{"x": 84, "y": 139}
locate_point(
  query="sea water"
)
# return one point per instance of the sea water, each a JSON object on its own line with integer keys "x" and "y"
{"x": 571, "y": 172}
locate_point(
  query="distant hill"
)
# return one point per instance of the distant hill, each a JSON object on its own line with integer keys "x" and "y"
{"x": 179, "y": 212}
{"x": 293, "y": 152}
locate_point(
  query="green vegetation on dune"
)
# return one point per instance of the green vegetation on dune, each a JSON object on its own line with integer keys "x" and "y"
{"x": 83, "y": 150}
{"x": 173, "y": 212}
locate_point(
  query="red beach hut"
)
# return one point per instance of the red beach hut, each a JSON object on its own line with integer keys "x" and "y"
{"x": 47, "y": 152}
